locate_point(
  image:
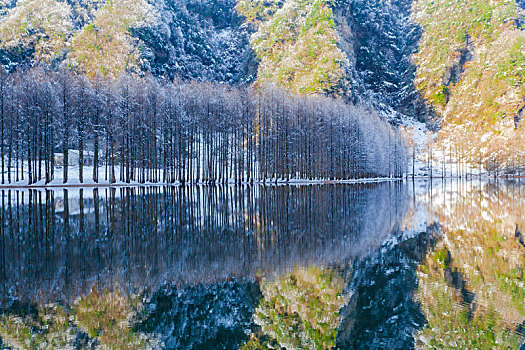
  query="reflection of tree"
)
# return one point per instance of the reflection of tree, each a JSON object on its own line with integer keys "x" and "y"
{"x": 63, "y": 242}
{"x": 299, "y": 310}
{"x": 472, "y": 286}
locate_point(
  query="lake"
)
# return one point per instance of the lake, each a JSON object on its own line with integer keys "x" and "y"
{"x": 393, "y": 265}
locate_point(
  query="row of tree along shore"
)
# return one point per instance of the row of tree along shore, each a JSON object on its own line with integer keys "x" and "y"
{"x": 147, "y": 130}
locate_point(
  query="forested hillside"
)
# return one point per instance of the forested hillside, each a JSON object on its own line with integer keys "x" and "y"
{"x": 190, "y": 39}
{"x": 457, "y": 65}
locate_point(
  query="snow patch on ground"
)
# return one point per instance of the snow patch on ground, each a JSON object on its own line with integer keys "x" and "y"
{"x": 74, "y": 180}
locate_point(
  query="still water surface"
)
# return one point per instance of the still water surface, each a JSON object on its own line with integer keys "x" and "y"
{"x": 376, "y": 266}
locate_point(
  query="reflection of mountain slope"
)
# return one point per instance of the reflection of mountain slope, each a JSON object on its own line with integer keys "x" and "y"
{"x": 382, "y": 313}
{"x": 94, "y": 321}
{"x": 472, "y": 287}
{"x": 299, "y": 310}
{"x": 205, "y": 317}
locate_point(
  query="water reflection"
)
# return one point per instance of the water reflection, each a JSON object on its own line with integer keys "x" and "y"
{"x": 58, "y": 244}
{"x": 89, "y": 250}
{"x": 472, "y": 286}
{"x": 382, "y": 313}
{"x": 299, "y": 310}
{"x": 379, "y": 266}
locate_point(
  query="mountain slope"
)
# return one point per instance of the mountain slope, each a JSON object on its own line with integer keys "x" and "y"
{"x": 200, "y": 40}
{"x": 380, "y": 37}
{"x": 296, "y": 42}
{"x": 189, "y": 39}
{"x": 476, "y": 47}
{"x": 471, "y": 71}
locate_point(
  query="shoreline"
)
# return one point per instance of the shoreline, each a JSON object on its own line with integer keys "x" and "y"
{"x": 295, "y": 182}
